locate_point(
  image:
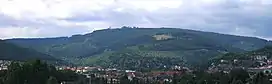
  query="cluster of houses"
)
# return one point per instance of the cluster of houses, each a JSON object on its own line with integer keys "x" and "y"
{"x": 115, "y": 74}
{"x": 4, "y": 64}
{"x": 257, "y": 63}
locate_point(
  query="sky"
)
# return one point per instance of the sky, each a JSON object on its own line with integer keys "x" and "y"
{"x": 54, "y": 18}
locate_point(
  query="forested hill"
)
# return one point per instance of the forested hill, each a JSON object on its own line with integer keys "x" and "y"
{"x": 142, "y": 43}
{"x": 10, "y": 51}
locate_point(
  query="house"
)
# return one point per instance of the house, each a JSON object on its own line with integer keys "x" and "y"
{"x": 128, "y": 71}
{"x": 260, "y": 57}
{"x": 269, "y": 62}
{"x": 4, "y": 68}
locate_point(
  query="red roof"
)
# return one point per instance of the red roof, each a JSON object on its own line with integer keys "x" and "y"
{"x": 166, "y": 73}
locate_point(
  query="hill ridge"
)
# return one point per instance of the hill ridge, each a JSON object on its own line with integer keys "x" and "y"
{"x": 188, "y": 44}
{"x": 10, "y": 51}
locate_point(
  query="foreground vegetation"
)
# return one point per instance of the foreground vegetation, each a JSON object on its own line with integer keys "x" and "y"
{"x": 36, "y": 72}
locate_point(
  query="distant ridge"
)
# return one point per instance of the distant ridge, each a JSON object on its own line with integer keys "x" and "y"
{"x": 108, "y": 46}
{"x": 10, "y": 51}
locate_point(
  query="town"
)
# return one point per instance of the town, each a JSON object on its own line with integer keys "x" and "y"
{"x": 96, "y": 74}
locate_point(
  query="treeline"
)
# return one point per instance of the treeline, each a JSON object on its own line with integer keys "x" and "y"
{"x": 36, "y": 72}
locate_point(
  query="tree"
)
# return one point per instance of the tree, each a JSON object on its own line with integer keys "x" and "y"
{"x": 124, "y": 80}
{"x": 135, "y": 81}
{"x": 111, "y": 81}
{"x": 237, "y": 82}
{"x": 239, "y": 74}
{"x": 104, "y": 81}
{"x": 175, "y": 79}
{"x": 52, "y": 80}
{"x": 36, "y": 72}
{"x": 260, "y": 78}
{"x": 14, "y": 74}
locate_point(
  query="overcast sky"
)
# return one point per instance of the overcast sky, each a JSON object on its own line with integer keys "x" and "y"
{"x": 52, "y": 18}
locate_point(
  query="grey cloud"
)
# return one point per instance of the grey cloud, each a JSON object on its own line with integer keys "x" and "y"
{"x": 9, "y": 21}
{"x": 230, "y": 16}
{"x": 84, "y": 18}
{"x": 46, "y": 28}
{"x": 225, "y": 17}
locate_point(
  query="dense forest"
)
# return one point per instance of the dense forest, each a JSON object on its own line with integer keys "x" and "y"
{"x": 37, "y": 72}
{"x": 158, "y": 45}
